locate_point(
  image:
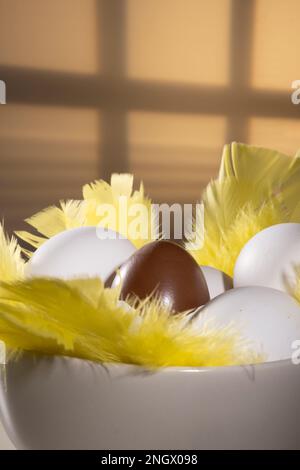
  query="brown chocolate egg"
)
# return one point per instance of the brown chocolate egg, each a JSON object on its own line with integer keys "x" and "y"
{"x": 109, "y": 281}
{"x": 167, "y": 270}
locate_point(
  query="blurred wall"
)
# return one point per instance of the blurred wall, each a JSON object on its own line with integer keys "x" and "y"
{"x": 153, "y": 87}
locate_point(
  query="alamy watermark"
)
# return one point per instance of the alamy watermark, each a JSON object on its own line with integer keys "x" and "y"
{"x": 296, "y": 352}
{"x": 295, "y": 96}
{"x": 2, "y": 92}
{"x": 143, "y": 222}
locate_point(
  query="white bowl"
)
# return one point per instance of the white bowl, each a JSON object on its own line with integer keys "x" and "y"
{"x": 63, "y": 403}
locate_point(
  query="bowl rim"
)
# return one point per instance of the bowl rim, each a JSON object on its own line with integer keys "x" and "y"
{"x": 118, "y": 367}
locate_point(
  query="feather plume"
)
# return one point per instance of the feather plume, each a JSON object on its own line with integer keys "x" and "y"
{"x": 120, "y": 195}
{"x": 53, "y": 220}
{"x": 256, "y": 188}
{"x": 11, "y": 262}
{"x": 82, "y": 319}
{"x": 265, "y": 173}
{"x": 72, "y": 213}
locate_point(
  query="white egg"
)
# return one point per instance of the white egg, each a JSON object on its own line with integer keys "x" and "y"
{"x": 217, "y": 281}
{"x": 269, "y": 258}
{"x": 268, "y": 318}
{"x": 80, "y": 252}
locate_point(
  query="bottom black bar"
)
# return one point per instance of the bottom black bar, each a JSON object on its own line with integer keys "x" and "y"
{"x": 135, "y": 459}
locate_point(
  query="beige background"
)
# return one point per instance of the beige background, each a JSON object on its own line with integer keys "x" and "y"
{"x": 150, "y": 87}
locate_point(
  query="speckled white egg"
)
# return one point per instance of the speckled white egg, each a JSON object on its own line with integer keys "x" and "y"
{"x": 268, "y": 318}
{"x": 217, "y": 281}
{"x": 80, "y": 252}
{"x": 269, "y": 258}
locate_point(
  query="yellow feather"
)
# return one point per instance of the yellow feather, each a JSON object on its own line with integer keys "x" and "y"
{"x": 121, "y": 184}
{"x": 53, "y": 220}
{"x": 229, "y": 227}
{"x": 82, "y": 319}
{"x": 256, "y": 188}
{"x": 254, "y": 163}
{"x": 100, "y": 192}
{"x": 33, "y": 240}
{"x": 263, "y": 172}
{"x": 11, "y": 262}
{"x": 161, "y": 340}
{"x": 71, "y": 214}
{"x": 62, "y": 312}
